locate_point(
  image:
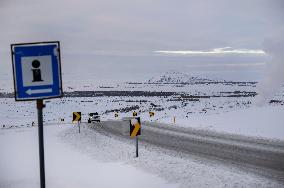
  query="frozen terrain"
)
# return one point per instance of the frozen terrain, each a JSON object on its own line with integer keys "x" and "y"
{"x": 94, "y": 159}
{"x": 202, "y": 103}
{"x": 91, "y": 159}
{"x": 66, "y": 167}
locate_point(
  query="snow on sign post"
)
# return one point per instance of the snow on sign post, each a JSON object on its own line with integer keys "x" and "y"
{"x": 37, "y": 76}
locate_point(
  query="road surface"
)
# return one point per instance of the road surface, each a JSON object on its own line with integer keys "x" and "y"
{"x": 265, "y": 157}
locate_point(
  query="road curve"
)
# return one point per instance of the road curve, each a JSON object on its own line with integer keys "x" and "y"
{"x": 235, "y": 149}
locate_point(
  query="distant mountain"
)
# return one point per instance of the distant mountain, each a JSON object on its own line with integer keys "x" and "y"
{"x": 173, "y": 77}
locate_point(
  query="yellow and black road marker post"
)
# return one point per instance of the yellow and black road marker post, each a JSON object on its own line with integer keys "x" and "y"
{"x": 116, "y": 114}
{"x": 135, "y": 130}
{"x": 134, "y": 114}
{"x": 151, "y": 114}
{"x": 77, "y": 118}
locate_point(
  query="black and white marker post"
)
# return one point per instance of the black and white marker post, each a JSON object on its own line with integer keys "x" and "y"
{"x": 137, "y": 146}
{"x": 79, "y": 122}
{"x": 40, "y": 106}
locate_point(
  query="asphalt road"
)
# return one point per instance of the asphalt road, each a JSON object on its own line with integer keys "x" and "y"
{"x": 266, "y": 157}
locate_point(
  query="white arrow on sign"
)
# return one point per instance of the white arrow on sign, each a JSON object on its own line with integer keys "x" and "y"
{"x": 37, "y": 91}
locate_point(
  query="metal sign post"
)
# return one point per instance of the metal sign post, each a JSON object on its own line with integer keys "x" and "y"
{"x": 77, "y": 118}
{"x": 135, "y": 130}
{"x": 37, "y": 76}
{"x": 40, "y": 106}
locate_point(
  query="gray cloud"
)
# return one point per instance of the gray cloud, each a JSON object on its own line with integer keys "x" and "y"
{"x": 105, "y": 33}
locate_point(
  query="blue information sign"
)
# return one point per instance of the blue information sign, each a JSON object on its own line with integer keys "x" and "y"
{"x": 37, "y": 70}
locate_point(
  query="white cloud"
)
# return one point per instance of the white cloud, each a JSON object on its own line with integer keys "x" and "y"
{"x": 215, "y": 51}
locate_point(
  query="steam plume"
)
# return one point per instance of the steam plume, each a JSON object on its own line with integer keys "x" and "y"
{"x": 274, "y": 74}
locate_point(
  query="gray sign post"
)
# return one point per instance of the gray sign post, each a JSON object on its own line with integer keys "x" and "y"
{"x": 40, "y": 106}
{"x": 37, "y": 76}
{"x": 135, "y": 130}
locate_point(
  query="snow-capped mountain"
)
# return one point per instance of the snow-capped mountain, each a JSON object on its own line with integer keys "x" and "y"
{"x": 174, "y": 77}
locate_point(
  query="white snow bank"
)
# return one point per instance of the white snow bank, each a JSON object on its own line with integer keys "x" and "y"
{"x": 176, "y": 167}
{"x": 267, "y": 121}
{"x": 65, "y": 168}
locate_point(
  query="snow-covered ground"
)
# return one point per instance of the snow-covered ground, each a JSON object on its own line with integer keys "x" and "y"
{"x": 231, "y": 115}
{"x": 91, "y": 159}
{"x": 266, "y": 121}
{"x": 66, "y": 167}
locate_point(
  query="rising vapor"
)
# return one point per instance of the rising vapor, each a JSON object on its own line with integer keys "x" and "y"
{"x": 274, "y": 74}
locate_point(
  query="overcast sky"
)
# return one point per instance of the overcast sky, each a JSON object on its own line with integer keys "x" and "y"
{"x": 116, "y": 38}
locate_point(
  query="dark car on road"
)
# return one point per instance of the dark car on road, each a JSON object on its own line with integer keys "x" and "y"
{"x": 94, "y": 117}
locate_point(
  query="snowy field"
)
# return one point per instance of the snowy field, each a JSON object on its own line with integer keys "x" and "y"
{"x": 266, "y": 122}
{"x": 90, "y": 159}
{"x": 206, "y": 79}
{"x": 235, "y": 115}
{"x": 66, "y": 167}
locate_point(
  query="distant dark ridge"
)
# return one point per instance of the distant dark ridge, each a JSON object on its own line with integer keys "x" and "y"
{"x": 126, "y": 109}
{"x": 7, "y": 95}
{"x": 183, "y": 95}
{"x": 238, "y": 94}
{"x": 105, "y": 93}
{"x": 117, "y": 93}
{"x": 204, "y": 82}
